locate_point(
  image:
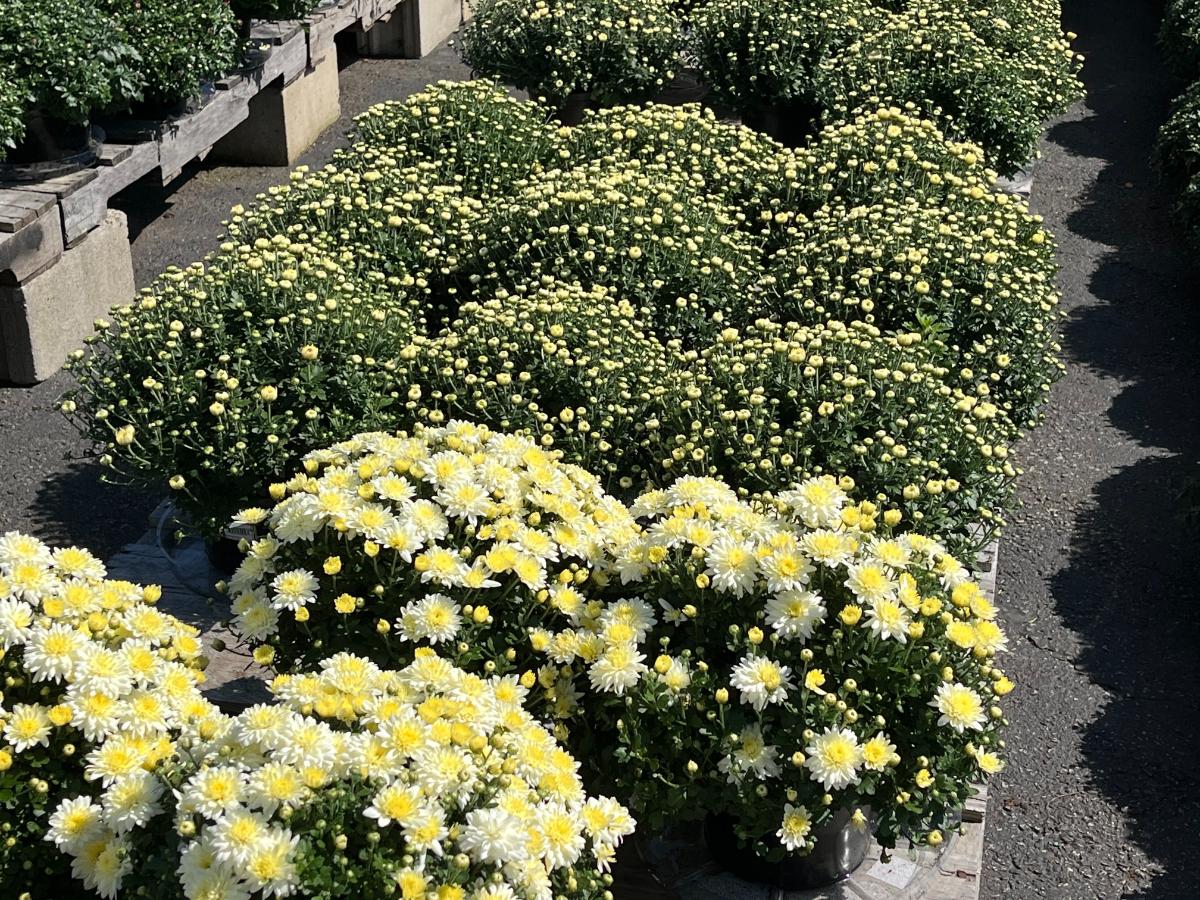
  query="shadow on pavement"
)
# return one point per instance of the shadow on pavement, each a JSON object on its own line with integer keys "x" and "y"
{"x": 1130, "y": 588}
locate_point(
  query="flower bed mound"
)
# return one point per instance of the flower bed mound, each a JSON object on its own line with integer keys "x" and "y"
{"x": 359, "y": 296}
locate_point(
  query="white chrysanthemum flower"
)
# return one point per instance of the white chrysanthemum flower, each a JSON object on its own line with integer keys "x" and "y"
{"x": 494, "y": 837}
{"x": 16, "y": 617}
{"x": 16, "y": 547}
{"x": 786, "y": 569}
{"x": 818, "y": 501}
{"x": 257, "y": 620}
{"x": 27, "y": 726}
{"x": 894, "y": 554}
{"x": 795, "y": 614}
{"x": 212, "y": 791}
{"x": 618, "y": 669}
{"x": 51, "y": 653}
{"x": 270, "y": 867}
{"x": 399, "y": 803}
{"x": 829, "y": 548}
{"x": 833, "y": 758}
{"x": 795, "y": 828}
{"x": 752, "y": 756}
{"x": 79, "y": 564}
{"x": 960, "y": 707}
{"x": 870, "y": 582}
{"x": 561, "y": 834}
{"x": 273, "y": 785}
{"x": 110, "y": 867}
{"x": 75, "y": 822}
{"x": 294, "y": 589}
{"x": 761, "y": 681}
{"x": 434, "y": 618}
{"x": 131, "y": 801}
{"x": 888, "y": 619}
{"x": 635, "y": 613}
{"x": 732, "y": 565}
{"x": 606, "y": 820}
{"x": 236, "y": 835}
{"x": 428, "y": 520}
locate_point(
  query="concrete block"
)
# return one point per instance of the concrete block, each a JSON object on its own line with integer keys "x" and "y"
{"x": 415, "y": 29}
{"x": 48, "y": 316}
{"x": 285, "y": 119}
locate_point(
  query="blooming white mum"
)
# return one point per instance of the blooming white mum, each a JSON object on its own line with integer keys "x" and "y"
{"x": 960, "y": 707}
{"x": 833, "y": 758}
{"x": 761, "y": 681}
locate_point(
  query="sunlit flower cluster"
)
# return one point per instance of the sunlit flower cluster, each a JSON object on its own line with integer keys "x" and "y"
{"x": 385, "y": 292}
{"x": 84, "y": 658}
{"x": 386, "y": 543}
{"x": 359, "y": 782}
{"x": 995, "y": 70}
{"x": 704, "y": 653}
{"x": 778, "y": 663}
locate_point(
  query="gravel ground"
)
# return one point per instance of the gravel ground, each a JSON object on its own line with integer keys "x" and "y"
{"x": 46, "y": 485}
{"x": 1100, "y": 799}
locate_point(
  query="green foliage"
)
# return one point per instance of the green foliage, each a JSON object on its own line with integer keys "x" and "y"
{"x": 759, "y": 54}
{"x": 1179, "y": 37}
{"x": 182, "y": 43}
{"x": 614, "y": 50}
{"x": 622, "y": 290}
{"x": 63, "y": 60}
{"x": 272, "y": 9}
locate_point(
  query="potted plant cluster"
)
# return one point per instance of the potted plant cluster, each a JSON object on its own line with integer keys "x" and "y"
{"x": 577, "y": 52}
{"x": 183, "y": 45}
{"x": 1178, "y": 150}
{"x": 990, "y": 71}
{"x": 687, "y": 437}
{"x": 358, "y": 781}
{"x": 60, "y": 62}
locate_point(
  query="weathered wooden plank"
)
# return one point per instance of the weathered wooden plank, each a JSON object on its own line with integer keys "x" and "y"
{"x": 62, "y": 186}
{"x": 275, "y": 33}
{"x": 86, "y": 208}
{"x": 20, "y": 207}
{"x": 325, "y": 25}
{"x": 112, "y": 154}
{"x": 31, "y": 249}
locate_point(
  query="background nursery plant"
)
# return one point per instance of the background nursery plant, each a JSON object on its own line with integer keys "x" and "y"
{"x": 609, "y": 50}
{"x": 381, "y": 293}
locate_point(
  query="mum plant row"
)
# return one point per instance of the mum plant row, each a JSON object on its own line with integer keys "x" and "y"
{"x": 66, "y": 61}
{"x": 992, "y": 71}
{"x": 1178, "y": 151}
{"x": 685, "y": 436}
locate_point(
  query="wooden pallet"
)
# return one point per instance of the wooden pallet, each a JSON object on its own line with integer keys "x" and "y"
{"x": 82, "y": 198}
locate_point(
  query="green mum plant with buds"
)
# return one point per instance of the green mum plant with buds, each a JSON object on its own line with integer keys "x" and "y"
{"x": 380, "y": 292}
{"x": 182, "y": 43}
{"x": 612, "y": 50}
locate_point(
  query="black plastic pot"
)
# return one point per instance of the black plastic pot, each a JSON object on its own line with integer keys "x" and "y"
{"x": 50, "y": 147}
{"x": 573, "y": 107}
{"x": 224, "y": 555}
{"x": 792, "y": 124}
{"x": 840, "y": 849}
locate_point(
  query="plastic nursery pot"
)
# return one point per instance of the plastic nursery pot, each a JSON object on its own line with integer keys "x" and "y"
{"x": 573, "y": 107}
{"x": 224, "y": 554}
{"x": 51, "y": 147}
{"x": 840, "y": 849}
{"x": 790, "y": 123}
